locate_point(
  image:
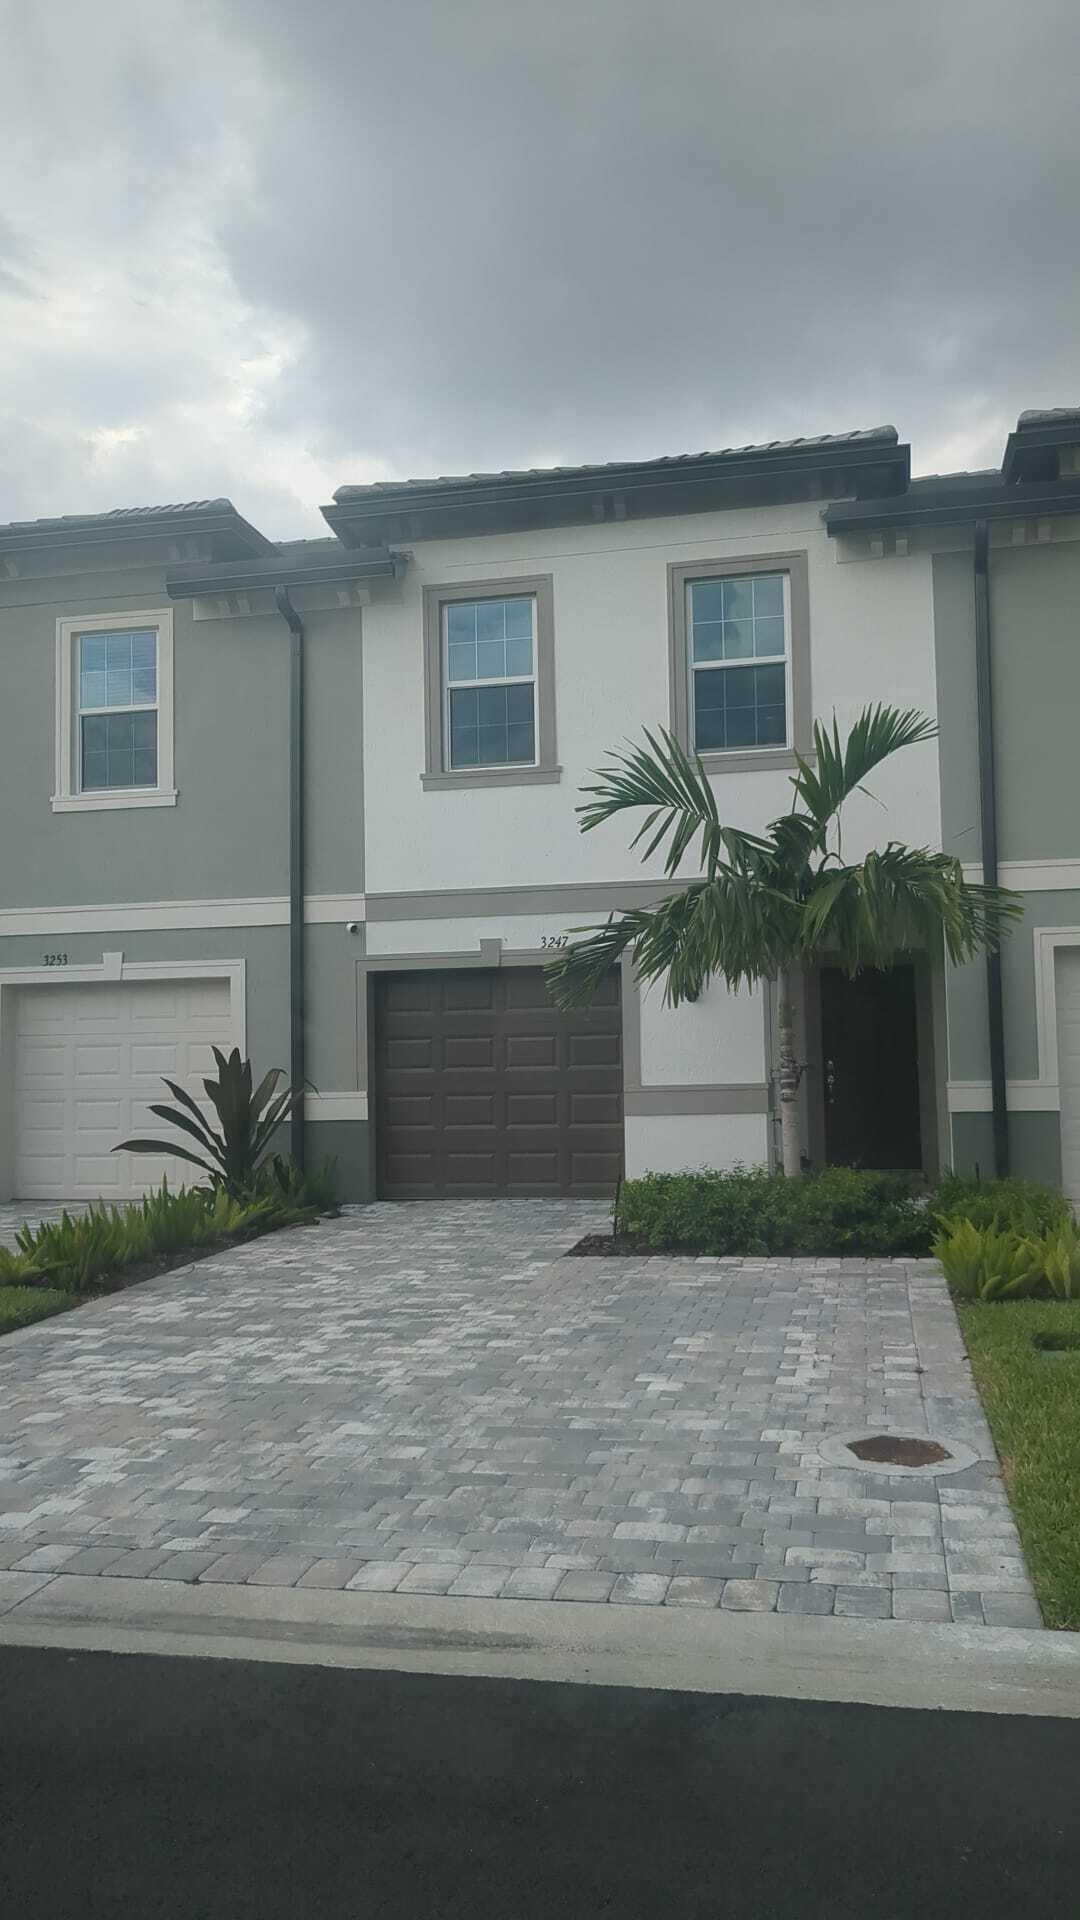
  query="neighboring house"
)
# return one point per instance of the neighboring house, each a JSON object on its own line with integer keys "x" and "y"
{"x": 468, "y": 650}
{"x": 1005, "y": 552}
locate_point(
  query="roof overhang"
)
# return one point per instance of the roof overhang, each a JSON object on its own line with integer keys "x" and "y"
{"x": 190, "y": 582}
{"x": 860, "y": 464}
{"x": 949, "y": 505}
{"x": 1032, "y": 450}
{"x": 230, "y": 536}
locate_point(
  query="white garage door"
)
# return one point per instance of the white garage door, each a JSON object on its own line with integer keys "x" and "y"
{"x": 88, "y": 1062}
{"x": 1068, "y": 1003}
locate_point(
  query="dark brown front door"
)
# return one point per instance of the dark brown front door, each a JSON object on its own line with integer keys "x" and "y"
{"x": 870, "y": 1055}
{"x": 483, "y": 1086}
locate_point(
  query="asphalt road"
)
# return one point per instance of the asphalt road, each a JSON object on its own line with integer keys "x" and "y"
{"x": 220, "y": 1790}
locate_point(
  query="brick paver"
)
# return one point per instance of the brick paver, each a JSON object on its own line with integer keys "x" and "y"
{"x": 431, "y": 1398}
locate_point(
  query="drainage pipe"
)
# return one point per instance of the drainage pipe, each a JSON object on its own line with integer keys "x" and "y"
{"x": 989, "y": 837}
{"x": 297, "y": 1074}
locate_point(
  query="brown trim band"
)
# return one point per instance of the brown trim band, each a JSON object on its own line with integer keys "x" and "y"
{"x": 482, "y": 903}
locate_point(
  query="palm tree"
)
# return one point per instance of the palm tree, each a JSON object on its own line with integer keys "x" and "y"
{"x": 767, "y": 905}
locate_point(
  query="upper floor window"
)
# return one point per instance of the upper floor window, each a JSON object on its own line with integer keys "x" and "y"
{"x": 739, "y": 658}
{"x": 114, "y": 736}
{"x": 118, "y": 709}
{"x": 738, "y": 652}
{"x": 490, "y": 683}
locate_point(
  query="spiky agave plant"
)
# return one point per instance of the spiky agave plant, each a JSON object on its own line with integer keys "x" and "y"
{"x": 768, "y": 905}
{"x": 249, "y": 1116}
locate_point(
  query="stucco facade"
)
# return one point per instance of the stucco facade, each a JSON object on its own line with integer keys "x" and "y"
{"x": 413, "y": 866}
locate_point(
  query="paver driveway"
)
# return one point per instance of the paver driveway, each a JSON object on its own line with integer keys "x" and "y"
{"x": 428, "y": 1398}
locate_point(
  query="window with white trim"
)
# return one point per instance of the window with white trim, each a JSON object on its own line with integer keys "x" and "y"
{"x": 114, "y": 722}
{"x": 737, "y": 628}
{"x": 118, "y": 709}
{"x": 489, "y": 682}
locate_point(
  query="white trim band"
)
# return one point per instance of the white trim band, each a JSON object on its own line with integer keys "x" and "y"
{"x": 167, "y": 916}
{"x": 1032, "y": 876}
{"x": 335, "y": 1106}
{"x": 1022, "y": 1096}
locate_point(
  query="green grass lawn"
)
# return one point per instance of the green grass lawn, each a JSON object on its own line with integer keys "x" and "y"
{"x": 1032, "y": 1401}
{"x": 21, "y": 1306}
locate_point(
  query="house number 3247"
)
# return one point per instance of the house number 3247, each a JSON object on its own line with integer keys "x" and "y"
{"x": 55, "y": 959}
{"x": 553, "y": 939}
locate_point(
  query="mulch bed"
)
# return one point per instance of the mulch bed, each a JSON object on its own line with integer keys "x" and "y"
{"x": 607, "y": 1245}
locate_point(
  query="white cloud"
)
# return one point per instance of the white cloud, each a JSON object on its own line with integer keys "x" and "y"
{"x": 260, "y": 249}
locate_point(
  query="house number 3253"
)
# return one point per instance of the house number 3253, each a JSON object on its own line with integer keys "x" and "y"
{"x": 55, "y": 959}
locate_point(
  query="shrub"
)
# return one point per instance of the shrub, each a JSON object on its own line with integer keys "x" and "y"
{"x": 840, "y": 1210}
{"x": 80, "y": 1252}
{"x": 237, "y": 1153}
{"x": 998, "y": 1263}
{"x": 1024, "y": 1206}
{"x": 17, "y": 1269}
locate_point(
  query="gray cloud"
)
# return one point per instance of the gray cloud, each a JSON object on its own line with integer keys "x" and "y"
{"x": 356, "y": 241}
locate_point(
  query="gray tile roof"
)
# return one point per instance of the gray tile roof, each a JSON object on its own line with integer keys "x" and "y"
{"x": 1047, "y": 417}
{"x": 119, "y": 516}
{"x": 865, "y": 436}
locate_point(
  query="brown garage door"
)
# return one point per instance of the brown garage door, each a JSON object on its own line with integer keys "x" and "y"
{"x": 483, "y": 1086}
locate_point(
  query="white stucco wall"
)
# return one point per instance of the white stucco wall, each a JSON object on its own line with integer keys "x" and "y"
{"x": 719, "y": 1039}
{"x": 871, "y": 639}
{"x": 676, "y": 1142}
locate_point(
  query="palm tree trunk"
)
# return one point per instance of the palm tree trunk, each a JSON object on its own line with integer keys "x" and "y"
{"x": 790, "y": 1144}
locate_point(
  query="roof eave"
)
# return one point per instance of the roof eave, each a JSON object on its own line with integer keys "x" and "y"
{"x": 1045, "y": 500}
{"x": 98, "y": 530}
{"x": 882, "y": 463}
{"x": 198, "y": 581}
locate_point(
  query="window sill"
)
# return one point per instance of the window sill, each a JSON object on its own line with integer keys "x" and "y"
{"x": 491, "y": 777}
{"x": 111, "y": 802}
{"x": 755, "y": 760}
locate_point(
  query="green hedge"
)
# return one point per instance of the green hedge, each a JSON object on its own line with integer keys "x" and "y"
{"x": 839, "y": 1210}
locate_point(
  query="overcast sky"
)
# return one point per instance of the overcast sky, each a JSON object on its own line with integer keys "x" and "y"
{"x": 262, "y": 248}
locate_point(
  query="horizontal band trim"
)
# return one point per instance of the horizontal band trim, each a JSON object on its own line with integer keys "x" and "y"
{"x": 167, "y": 916}
{"x": 1032, "y": 876}
{"x": 748, "y": 1098}
{"x": 336, "y": 1106}
{"x": 1022, "y": 1096}
{"x": 484, "y": 903}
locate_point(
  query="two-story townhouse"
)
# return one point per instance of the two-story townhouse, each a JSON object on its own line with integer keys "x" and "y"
{"x": 145, "y": 850}
{"x": 317, "y": 799}
{"x": 1004, "y": 547}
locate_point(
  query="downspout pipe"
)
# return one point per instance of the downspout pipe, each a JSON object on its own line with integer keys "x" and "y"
{"x": 989, "y": 837}
{"x": 297, "y": 1074}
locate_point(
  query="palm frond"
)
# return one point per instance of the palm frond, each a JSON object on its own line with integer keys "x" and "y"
{"x": 680, "y": 801}
{"x": 733, "y": 926}
{"x": 901, "y": 898}
{"x": 842, "y": 766}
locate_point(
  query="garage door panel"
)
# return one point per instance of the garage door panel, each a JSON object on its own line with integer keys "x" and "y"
{"x": 470, "y": 1050}
{"x": 595, "y": 1109}
{"x": 89, "y": 1062}
{"x": 510, "y": 1111}
{"x": 532, "y": 1050}
{"x": 595, "y": 1050}
{"x": 469, "y": 993}
{"x": 532, "y": 1109}
{"x": 590, "y": 1171}
{"x": 526, "y": 1170}
{"x": 469, "y": 1110}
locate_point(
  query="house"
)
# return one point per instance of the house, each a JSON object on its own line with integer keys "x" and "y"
{"x": 1004, "y": 549}
{"x": 317, "y": 799}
